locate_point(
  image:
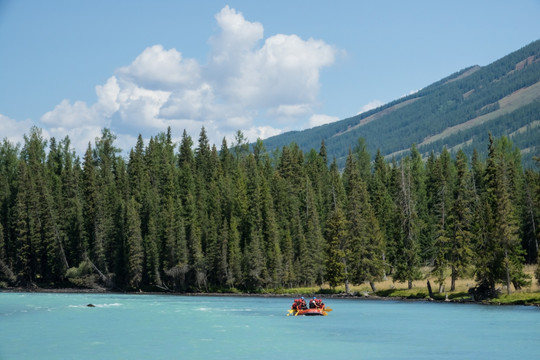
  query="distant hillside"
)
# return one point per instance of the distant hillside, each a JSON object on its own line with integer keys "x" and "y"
{"x": 457, "y": 112}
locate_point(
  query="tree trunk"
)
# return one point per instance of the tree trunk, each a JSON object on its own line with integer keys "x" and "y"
{"x": 410, "y": 284}
{"x": 384, "y": 267}
{"x": 507, "y": 272}
{"x": 372, "y": 284}
{"x": 429, "y": 289}
{"x": 347, "y": 287}
{"x": 441, "y": 288}
{"x": 530, "y": 208}
{"x": 453, "y": 279}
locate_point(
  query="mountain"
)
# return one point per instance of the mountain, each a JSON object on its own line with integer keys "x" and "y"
{"x": 456, "y": 112}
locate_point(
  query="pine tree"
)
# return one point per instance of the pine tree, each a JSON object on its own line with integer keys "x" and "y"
{"x": 151, "y": 275}
{"x": 289, "y": 275}
{"x": 25, "y": 265}
{"x": 214, "y": 252}
{"x": 531, "y": 215}
{"x": 313, "y": 234}
{"x": 363, "y": 159}
{"x": 304, "y": 262}
{"x": 71, "y": 219}
{"x": 234, "y": 265}
{"x": 365, "y": 243}
{"x": 196, "y": 258}
{"x": 255, "y": 275}
{"x": 108, "y": 206}
{"x": 9, "y": 164}
{"x": 383, "y": 206}
{"x": 134, "y": 245}
{"x": 441, "y": 202}
{"x": 407, "y": 258}
{"x": 91, "y": 212}
{"x": 419, "y": 200}
{"x": 336, "y": 233}
{"x": 223, "y": 243}
{"x": 271, "y": 236}
{"x": 460, "y": 219}
{"x": 501, "y": 248}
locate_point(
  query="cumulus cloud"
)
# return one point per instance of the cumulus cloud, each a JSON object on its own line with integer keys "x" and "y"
{"x": 284, "y": 71}
{"x": 67, "y": 115}
{"x": 237, "y": 37}
{"x": 247, "y": 78}
{"x": 157, "y": 68}
{"x": 321, "y": 119}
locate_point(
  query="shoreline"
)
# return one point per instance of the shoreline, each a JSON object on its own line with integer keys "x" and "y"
{"x": 342, "y": 296}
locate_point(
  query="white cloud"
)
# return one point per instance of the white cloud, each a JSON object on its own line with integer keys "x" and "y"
{"x": 370, "y": 106}
{"x": 108, "y": 97}
{"x": 139, "y": 107}
{"x": 237, "y": 36}
{"x": 189, "y": 103}
{"x": 247, "y": 78}
{"x": 285, "y": 71}
{"x": 321, "y": 119}
{"x": 157, "y": 68}
{"x": 13, "y": 130}
{"x": 66, "y": 115}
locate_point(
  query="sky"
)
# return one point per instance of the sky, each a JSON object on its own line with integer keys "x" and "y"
{"x": 72, "y": 68}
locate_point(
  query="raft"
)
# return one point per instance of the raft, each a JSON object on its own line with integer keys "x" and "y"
{"x": 311, "y": 312}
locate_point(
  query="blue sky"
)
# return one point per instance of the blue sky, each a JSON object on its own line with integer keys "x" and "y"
{"x": 262, "y": 67}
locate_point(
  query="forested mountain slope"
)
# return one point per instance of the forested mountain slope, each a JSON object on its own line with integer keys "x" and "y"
{"x": 456, "y": 112}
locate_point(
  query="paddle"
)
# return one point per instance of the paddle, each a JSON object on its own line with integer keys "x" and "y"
{"x": 290, "y": 312}
{"x": 327, "y": 309}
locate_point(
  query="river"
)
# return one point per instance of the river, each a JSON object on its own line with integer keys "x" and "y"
{"x": 62, "y": 326}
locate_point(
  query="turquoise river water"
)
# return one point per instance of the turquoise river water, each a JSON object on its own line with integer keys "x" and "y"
{"x": 61, "y": 326}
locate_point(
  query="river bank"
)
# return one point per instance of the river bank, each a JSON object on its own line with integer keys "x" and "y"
{"x": 527, "y": 299}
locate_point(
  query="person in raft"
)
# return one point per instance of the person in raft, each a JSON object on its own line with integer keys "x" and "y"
{"x": 299, "y": 304}
{"x": 316, "y": 303}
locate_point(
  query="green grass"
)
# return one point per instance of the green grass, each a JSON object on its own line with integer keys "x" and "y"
{"x": 522, "y": 298}
{"x": 404, "y": 293}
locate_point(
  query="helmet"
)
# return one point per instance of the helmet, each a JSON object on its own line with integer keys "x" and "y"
{"x": 302, "y": 298}
{"x": 314, "y": 298}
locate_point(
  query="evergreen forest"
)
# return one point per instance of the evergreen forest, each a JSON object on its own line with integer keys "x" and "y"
{"x": 189, "y": 217}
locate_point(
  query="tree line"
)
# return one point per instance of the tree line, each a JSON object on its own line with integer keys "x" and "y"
{"x": 190, "y": 217}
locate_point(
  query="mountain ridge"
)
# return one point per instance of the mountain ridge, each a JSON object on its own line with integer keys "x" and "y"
{"x": 455, "y": 112}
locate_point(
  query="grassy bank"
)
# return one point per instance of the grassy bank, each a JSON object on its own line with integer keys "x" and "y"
{"x": 387, "y": 289}
{"x": 390, "y": 289}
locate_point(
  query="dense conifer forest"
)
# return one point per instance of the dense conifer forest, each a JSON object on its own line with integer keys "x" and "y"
{"x": 192, "y": 217}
